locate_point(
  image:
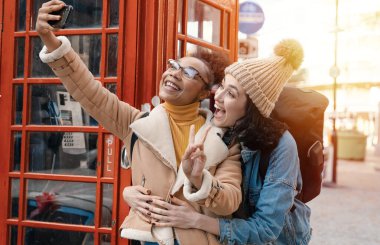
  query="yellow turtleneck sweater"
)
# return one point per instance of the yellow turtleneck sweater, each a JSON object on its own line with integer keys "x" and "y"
{"x": 180, "y": 119}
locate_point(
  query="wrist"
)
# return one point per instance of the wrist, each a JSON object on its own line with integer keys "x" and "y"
{"x": 50, "y": 40}
{"x": 207, "y": 223}
{"x": 198, "y": 221}
{"x": 197, "y": 181}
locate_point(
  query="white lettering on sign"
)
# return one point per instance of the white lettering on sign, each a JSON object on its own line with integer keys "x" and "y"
{"x": 109, "y": 152}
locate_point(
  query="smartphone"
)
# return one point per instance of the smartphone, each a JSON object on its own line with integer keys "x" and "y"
{"x": 64, "y": 13}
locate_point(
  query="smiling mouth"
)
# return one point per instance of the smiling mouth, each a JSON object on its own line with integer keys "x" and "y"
{"x": 171, "y": 86}
{"x": 219, "y": 112}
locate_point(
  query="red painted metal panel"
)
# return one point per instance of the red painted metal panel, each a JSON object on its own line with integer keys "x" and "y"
{"x": 8, "y": 21}
{"x": 126, "y": 83}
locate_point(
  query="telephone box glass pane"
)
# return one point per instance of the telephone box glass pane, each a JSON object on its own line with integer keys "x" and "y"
{"x": 21, "y": 14}
{"x": 61, "y": 202}
{"x": 72, "y": 153}
{"x": 57, "y": 237}
{"x": 13, "y": 235}
{"x": 179, "y": 49}
{"x": 192, "y": 48}
{"x": 16, "y": 156}
{"x": 53, "y": 105}
{"x": 15, "y": 193}
{"x": 203, "y": 22}
{"x": 113, "y": 13}
{"x": 86, "y": 13}
{"x": 180, "y": 15}
{"x": 19, "y": 56}
{"x": 112, "y": 55}
{"x": 107, "y": 203}
{"x": 88, "y": 47}
{"x": 18, "y": 104}
{"x": 112, "y": 87}
{"x": 105, "y": 239}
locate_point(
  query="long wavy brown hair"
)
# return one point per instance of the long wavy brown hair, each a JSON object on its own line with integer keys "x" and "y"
{"x": 256, "y": 131}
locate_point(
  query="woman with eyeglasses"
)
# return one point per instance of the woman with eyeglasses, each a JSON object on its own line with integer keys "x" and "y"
{"x": 210, "y": 185}
{"x": 270, "y": 212}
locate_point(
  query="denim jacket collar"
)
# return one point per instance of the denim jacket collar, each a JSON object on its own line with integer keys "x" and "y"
{"x": 247, "y": 154}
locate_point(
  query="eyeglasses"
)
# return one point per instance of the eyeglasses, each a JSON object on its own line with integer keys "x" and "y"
{"x": 187, "y": 72}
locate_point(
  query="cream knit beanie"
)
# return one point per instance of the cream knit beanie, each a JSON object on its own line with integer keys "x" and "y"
{"x": 264, "y": 78}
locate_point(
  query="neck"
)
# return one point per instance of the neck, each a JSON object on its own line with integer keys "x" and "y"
{"x": 182, "y": 112}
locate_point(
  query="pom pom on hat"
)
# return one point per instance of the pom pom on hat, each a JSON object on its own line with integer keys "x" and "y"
{"x": 292, "y": 52}
{"x": 264, "y": 78}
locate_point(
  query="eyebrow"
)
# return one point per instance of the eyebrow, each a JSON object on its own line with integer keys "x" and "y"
{"x": 235, "y": 88}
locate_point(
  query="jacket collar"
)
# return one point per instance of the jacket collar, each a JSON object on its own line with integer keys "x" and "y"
{"x": 247, "y": 154}
{"x": 154, "y": 131}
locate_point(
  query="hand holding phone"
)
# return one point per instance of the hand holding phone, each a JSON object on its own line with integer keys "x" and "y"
{"x": 64, "y": 13}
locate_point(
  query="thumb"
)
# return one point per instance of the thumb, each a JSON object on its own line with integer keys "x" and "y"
{"x": 178, "y": 202}
{"x": 143, "y": 190}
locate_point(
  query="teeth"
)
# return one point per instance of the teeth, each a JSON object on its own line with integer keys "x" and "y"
{"x": 168, "y": 83}
{"x": 218, "y": 107}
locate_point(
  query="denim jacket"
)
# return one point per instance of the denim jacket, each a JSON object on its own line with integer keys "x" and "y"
{"x": 271, "y": 218}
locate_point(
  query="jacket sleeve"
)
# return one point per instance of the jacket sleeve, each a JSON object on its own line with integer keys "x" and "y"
{"x": 275, "y": 201}
{"x": 112, "y": 113}
{"x": 221, "y": 193}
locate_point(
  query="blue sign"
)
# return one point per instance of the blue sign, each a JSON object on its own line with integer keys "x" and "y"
{"x": 251, "y": 18}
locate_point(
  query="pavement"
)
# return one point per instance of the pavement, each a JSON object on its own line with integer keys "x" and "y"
{"x": 349, "y": 212}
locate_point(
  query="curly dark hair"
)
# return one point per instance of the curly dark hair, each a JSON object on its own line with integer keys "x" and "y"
{"x": 216, "y": 61}
{"x": 256, "y": 131}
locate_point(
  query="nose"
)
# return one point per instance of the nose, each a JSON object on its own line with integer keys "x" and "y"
{"x": 176, "y": 74}
{"x": 219, "y": 95}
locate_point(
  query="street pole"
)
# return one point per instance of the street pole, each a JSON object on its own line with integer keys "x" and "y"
{"x": 334, "y": 133}
{"x": 377, "y": 123}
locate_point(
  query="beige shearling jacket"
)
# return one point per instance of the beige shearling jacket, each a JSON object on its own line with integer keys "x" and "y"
{"x": 154, "y": 163}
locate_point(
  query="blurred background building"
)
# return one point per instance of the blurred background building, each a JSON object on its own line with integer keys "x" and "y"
{"x": 313, "y": 23}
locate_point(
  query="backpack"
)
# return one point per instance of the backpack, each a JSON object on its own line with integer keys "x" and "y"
{"x": 303, "y": 111}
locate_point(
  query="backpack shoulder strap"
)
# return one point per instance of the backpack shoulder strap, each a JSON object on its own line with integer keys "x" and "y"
{"x": 264, "y": 163}
{"x": 135, "y": 137}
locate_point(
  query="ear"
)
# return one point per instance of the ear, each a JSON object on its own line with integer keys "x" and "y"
{"x": 204, "y": 94}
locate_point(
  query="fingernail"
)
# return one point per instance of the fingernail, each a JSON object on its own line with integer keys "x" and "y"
{"x": 148, "y": 191}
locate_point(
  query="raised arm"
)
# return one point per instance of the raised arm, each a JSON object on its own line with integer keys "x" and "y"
{"x": 104, "y": 106}
{"x": 220, "y": 192}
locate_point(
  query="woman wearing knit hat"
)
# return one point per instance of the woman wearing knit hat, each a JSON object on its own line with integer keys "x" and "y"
{"x": 269, "y": 213}
{"x": 162, "y": 135}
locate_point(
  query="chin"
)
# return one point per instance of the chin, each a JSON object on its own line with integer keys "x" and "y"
{"x": 218, "y": 124}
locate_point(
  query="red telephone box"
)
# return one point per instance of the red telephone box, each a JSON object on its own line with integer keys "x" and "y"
{"x": 60, "y": 174}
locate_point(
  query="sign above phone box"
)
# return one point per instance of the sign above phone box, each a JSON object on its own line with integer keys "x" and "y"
{"x": 251, "y": 17}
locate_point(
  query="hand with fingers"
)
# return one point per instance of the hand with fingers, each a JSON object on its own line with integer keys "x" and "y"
{"x": 194, "y": 159}
{"x": 44, "y": 30}
{"x": 44, "y": 15}
{"x": 177, "y": 214}
{"x": 138, "y": 198}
